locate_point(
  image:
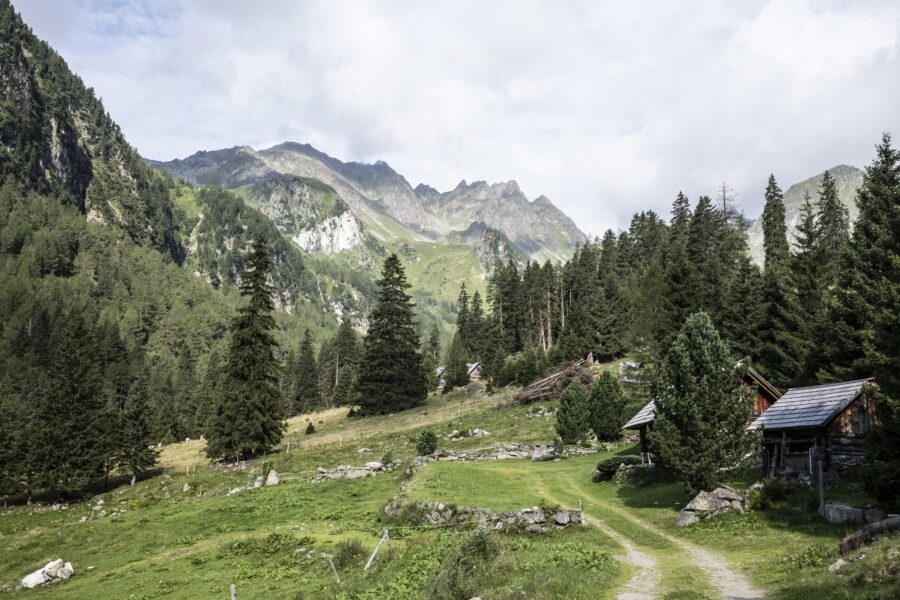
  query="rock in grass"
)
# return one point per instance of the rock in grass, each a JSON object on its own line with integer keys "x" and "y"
{"x": 837, "y": 565}
{"x": 273, "y": 478}
{"x": 55, "y": 570}
{"x": 841, "y": 513}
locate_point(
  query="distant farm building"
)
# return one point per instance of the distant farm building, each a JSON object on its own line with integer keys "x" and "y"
{"x": 474, "y": 374}
{"x": 766, "y": 395}
{"x": 821, "y": 422}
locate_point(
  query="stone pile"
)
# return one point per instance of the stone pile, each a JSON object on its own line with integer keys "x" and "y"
{"x": 471, "y": 433}
{"x": 539, "y": 412}
{"x": 527, "y": 520}
{"x": 53, "y": 571}
{"x": 707, "y": 505}
{"x": 537, "y": 452}
{"x": 369, "y": 469}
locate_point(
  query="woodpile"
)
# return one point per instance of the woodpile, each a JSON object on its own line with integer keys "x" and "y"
{"x": 551, "y": 387}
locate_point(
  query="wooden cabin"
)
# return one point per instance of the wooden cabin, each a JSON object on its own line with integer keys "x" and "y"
{"x": 821, "y": 422}
{"x": 474, "y": 374}
{"x": 766, "y": 395}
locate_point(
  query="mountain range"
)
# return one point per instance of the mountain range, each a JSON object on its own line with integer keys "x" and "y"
{"x": 293, "y": 178}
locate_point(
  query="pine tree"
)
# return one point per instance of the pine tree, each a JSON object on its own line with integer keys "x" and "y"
{"x": 743, "y": 309}
{"x": 775, "y": 241}
{"x": 306, "y": 394}
{"x": 135, "y": 454}
{"x": 248, "y": 417}
{"x": 805, "y": 265}
{"x": 393, "y": 378}
{"x": 607, "y": 407}
{"x": 457, "y": 371}
{"x": 782, "y": 347}
{"x": 859, "y": 335}
{"x": 476, "y": 343}
{"x": 833, "y": 224}
{"x": 462, "y": 314}
{"x": 573, "y": 417}
{"x": 701, "y": 407}
{"x": 341, "y": 353}
{"x": 431, "y": 354}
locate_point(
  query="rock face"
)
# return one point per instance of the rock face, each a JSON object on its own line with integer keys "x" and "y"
{"x": 53, "y": 571}
{"x": 841, "y": 513}
{"x": 706, "y": 505}
{"x": 534, "y": 519}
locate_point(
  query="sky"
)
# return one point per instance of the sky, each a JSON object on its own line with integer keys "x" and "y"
{"x": 607, "y": 108}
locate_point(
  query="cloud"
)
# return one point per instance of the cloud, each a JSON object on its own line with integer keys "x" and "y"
{"x": 605, "y": 107}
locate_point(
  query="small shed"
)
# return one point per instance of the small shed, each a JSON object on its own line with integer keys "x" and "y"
{"x": 474, "y": 370}
{"x": 766, "y": 395}
{"x": 821, "y": 422}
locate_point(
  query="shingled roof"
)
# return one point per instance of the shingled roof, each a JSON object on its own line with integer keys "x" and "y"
{"x": 810, "y": 407}
{"x": 643, "y": 416}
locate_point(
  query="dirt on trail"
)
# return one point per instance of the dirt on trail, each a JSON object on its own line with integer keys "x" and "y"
{"x": 644, "y": 584}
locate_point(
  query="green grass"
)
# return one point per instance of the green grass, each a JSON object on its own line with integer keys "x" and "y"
{"x": 174, "y": 544}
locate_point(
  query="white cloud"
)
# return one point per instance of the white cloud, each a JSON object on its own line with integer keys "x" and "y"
{"x": 606, "y": 108}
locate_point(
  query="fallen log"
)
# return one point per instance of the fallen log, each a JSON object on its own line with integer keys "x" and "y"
{"x": 869, "y": 534}
{"x": 551, "y": 387}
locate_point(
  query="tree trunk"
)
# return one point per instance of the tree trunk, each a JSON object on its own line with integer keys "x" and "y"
{"x": 868, "y": 534}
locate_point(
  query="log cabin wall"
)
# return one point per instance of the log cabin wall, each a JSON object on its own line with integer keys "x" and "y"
{"x": 845, "y": 436}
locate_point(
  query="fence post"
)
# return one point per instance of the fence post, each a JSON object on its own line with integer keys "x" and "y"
{"x": 233, "y": 592}
{"x": 821, "y": 479}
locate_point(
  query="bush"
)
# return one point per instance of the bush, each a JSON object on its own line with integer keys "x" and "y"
{"x": 608, "y": 467}
{"x": 426, "y": 443}
{"x": 348, "y": 552}
{"x": 310, "y": 429}
{"x": 464, "y": 567}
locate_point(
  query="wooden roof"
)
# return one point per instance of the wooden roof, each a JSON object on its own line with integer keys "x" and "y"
{"x": 643, "y": 417}
{"x": 810, "y": 407}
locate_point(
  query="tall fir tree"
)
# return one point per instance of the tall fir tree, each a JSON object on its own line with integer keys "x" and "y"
{"x": 701, "y": 407}
{"x": 573, "y": 417}
{"x": 135, "y": 453}
{"x": 249, "y": 416}
{"x": 607, "y": 407}
{"x": 775, "y": 241}
{"x": 456, "y": 373}
{"x": 431, "y": 356}
{"x": 393, "y": 377}
{"x": 744, "y": 309}
{"x": 805, "y": 264}
{"x": 782, "y": 345}
{"x": 833, "y": 230}
{"x": 462, "y": 314}
{"x": 306, "y": 392}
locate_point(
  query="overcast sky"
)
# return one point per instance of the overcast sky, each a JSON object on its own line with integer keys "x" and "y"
{"x": 605, "y": 107}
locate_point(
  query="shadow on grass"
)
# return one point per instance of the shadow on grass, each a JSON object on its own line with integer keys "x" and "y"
{"x": 98, "y": 486}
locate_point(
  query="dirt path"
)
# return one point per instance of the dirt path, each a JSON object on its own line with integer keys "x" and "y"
{"x": 729, "y": 584}
{"x": 644, "y": 583}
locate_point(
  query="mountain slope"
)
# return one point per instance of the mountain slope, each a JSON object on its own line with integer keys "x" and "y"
{"x": 847, "y": 178}
{"x": 383, "y": 201}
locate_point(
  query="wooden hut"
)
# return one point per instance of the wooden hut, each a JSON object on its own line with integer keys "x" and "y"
{"x": 821, "y": 422}
{"x": 766, "y": 395}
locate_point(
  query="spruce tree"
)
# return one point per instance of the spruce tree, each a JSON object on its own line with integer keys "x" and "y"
{"x": 457, "y": 369}
{"x": 393, "y": 377}
{"x": 573, "y": 417}
{"x": 833, "y": 230}
{"x": 775, "y": 241}
{"x": 782, "y": 345}
{"x": 744, "y": 309}
{"x": 135, "y": 454}
{"x": 462, "y": 314}
{"x": 701, "y": 407}
{"x": 431, "y": 355}
{"x": 607, "y": 407}
{"x": 805, "y": 265}
{"x": 248, "y": 417}
{"x": 475, "y": 344}
{"x": 306, "y": 392}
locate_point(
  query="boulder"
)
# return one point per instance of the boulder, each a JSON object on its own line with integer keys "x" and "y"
{"x": 66, "y": 571}
{"x": 258, "y": 482}
{"x": 841, "y": 513}
{"x": 35, "y": 579}
{"x": 706, "y": 502}
{"x": 186, "y": 488}
{"x": 837, "y": 565}
{"x": 273, "y": 478}
{"x": 873, "y": 515}
{"x": 725, "y": 493}
{"x": 374, "y": 465}
{"x": 52, "y": 568}
{"x": 561, "y": 517}
{"x": 686, "y": 518}
{"x": 55, "y": 570}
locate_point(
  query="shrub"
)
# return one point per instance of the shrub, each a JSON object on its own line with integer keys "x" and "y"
{"x": 426, "y": 443}
{"x": 465, "y": 566}
{"x": 607, "y": 468}
{"x": 310, "y": 429}
{"x": 348, "y": 552}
